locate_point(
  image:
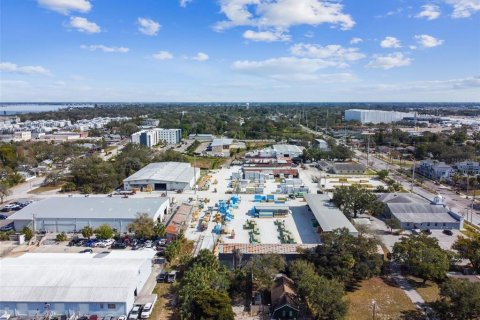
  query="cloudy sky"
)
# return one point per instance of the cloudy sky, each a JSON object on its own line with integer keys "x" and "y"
{"x": 240, "y": 50}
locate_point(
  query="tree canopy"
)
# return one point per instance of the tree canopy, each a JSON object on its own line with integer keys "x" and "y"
{"x": 354, "y": 200}
{"x": 422, "y": 256}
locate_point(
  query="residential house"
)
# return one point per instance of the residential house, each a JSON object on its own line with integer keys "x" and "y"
{"x": 285, "y": 300}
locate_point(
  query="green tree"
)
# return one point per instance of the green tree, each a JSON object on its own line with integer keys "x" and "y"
{"x": 172, "y": 250}
{"x": 469, "y": 248}
{"x": 346, "y": 257}
{"x": 104, "y": 231}
{"x": 393, "y": 224}
{"x": 27, "y": 232}
{"x": 87, "y": 232}
{"x": 382, "y": 174}
{"x": 210, "y": 304}
{"x": 354, "y": 200}
{"x": 61, "y": 237}
{"x": 323, "y": 295}
{"x": 4, "y": 191}
{"x": 264, "y": 268}
{"x": 459, "y": 300}
{"x": 422, "y": 256}
{"x": 160, "y": 230}
{"x": 143, "y": 226}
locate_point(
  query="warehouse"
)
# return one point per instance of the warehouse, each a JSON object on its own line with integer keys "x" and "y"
{"x": 73, "y": 284}
{"x": 375, "y": 116}
{"x": 413, "y": 212}
{"x": 328, "y": 216}
{"x": 163, "y": 176}
{"x": 72, "y": 214}
{"x": 288, "y": 150}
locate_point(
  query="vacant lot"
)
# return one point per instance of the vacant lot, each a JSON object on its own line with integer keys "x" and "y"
{"x": 165, "y": 308}
{"x": 391, "y": 301}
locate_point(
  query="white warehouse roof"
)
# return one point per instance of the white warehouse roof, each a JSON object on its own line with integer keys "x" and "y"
{"x": 327, "y": 214}
{"x": 90, "y": 208}
{"x": 164, "y": 171}
{"x": 72, "y": 277}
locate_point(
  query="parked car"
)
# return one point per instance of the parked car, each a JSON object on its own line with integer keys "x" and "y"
{"x": 172, "y": 276}
{"x": 448, "y": 232}
{"x": 105, "y": 243}
{"x": 8, "y": 227}
{"x": 122, "y": 317}
{"x": 87, "y": 251}
{"x": 135, "y": 313}
{"x": 118, "y": 245}
{"x": 427, "y": 231}
{"x": 147, "y": 311}
{"x": 3, "y": 216}
{"x": 138, "y": 246}
{"x": 148, "y": 244}
{"x": 162, "y": 276}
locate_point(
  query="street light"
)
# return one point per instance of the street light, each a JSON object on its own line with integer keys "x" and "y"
{"x": 374, "y": 308}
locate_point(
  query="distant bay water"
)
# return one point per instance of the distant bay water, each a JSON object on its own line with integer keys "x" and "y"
{"x": 20, "y": 108}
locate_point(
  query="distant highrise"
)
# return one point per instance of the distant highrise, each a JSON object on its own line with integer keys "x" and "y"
{"x": 150, "y": 138}
{"x": 375, "y": 116}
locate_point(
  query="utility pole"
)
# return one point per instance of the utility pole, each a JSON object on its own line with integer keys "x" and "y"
{"x": 368, "y": 148}
{"x": 374, "y": 308}
{"x": 414, "y": 159}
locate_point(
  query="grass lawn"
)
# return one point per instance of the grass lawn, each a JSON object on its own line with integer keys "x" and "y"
{"x": 44, "y": 189}
{"x": 428, "y": 291}
{"x": 164, "y": 308}
{"x": 391, "y": 301}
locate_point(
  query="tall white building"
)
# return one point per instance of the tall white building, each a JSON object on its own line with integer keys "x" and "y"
{"x": 150, "y": 138}
{"x": 375, "y": 116}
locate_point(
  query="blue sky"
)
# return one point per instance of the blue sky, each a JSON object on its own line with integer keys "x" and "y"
{"x": 239, "y": 50}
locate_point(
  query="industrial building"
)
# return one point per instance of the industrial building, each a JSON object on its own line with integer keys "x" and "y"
{"x": 328, "y": 216}
{"x": 72, "y": 214}
{"x": 163, "y": 176}
{"x": 414, "y": 212}
{"x": 152, "y": 137}
{"x": 201, "y": 137}
{"x": 287, "y": 150}
{"x": 42, "y": 285}
{"x": 375, "y": 116}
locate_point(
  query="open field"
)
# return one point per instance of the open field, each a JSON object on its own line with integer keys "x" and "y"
{"x": 391, "y": 301}
{"x": 165, "y": 306}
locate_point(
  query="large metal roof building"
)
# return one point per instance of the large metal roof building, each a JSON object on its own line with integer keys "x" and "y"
{"x": 71, "y": 214}
{"x": 329, "y": 217}
{"x": 163, "y": 176}
{"x": 73, "y": 283}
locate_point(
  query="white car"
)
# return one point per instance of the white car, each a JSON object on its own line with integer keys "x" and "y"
{"x": 105, "y": 243}
{"x": 134, "y": 313}
{"x": 147, "y": 311}
{"x": 148, "y": 244}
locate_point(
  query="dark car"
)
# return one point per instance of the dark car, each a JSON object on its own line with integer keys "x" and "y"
{"x": 87, "y": 251}
{"x": 162, "y": 277}
{"x": 5, "y": 209}
{"x": 3, "y": 216}
{"x": 118, "y": 245}
{"x": 8, "y": 227}
{"x": 427, "y": 231}
{"x": 448, "y": 232}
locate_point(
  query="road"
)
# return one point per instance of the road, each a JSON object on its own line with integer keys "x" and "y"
{"x": 456, "y": 202}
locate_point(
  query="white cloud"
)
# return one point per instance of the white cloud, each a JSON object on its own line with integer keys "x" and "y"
{"x": 266, "y": 36}
{"x": 9, "y": 67}
{"x": 184, "y": 3}
{"x": 282, "y": 14}
{"x": 83, "y": 25}
{"x": 428, "y": 86}
{"x": 389, "y": 61}
{"x": 103, "y": 48}
{"x": 201, "y": 57}
{"x": 464, "y": 8}
{"x": 148, "y": 27}
{"x": 66, "y": 6}
{"x": 429, "y": 11}
{"x": 427, "y": 41}
{"x": 163, "y": 55}
{"x": 356, "y": 40}
{"x": 292, "y": 69}
{"x": 333, "y": 53}
{"x": 390, "y": 42}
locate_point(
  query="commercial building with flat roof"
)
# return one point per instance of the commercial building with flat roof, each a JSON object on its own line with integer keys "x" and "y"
{"x": 328, "y": 216}
{"x": 73, "y": 284}
{"x": 163, "y": 176}
{"x": 375, "y": 116}
{"x": 152, "y": 137}
{"x": 287, "y": 150}
{"x": 72, "y": 214}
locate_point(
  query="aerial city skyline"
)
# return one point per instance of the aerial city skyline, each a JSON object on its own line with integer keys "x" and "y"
{"x": 240, "y": 50}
